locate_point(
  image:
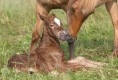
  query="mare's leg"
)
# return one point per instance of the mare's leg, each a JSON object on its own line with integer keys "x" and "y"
{"x": 39, "y": 25}
{"x": 112, "y": 8}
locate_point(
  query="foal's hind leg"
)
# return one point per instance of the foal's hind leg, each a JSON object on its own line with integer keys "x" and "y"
{"x": 84, "y": 62}
{"x": 81, "y": 62}
{"x": 38, "y": 27}
{"x": 112, "y": 8}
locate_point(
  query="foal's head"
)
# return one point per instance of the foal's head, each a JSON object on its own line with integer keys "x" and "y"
{"x": 53, "y": 26}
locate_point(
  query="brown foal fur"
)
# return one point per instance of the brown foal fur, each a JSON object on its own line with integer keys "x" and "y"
{"x": 48, "y": 56}
{"x": 77, "y": 12}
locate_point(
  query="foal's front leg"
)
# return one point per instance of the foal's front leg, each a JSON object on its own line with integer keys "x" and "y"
{"x": 112, "y": 8}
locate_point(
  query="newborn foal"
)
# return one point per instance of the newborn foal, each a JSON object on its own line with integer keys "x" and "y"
{"x": 49, "y": 57}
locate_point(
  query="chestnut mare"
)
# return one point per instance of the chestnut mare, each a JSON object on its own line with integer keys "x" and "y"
{"x": 77, "y": 12}
{"x": 48, "y": 56}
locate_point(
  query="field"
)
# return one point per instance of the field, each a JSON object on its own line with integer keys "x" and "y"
{"x": 95, "y": 42}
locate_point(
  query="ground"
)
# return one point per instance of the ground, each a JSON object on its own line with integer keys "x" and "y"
{"x": 95, "y": 42}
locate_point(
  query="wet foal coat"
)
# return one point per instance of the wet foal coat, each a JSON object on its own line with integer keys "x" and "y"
{"x": 48, "y": 56}
{"x": 77, "y": 12}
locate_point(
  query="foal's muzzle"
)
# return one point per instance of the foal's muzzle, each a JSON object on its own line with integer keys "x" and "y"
{"x": 62, "y": 35}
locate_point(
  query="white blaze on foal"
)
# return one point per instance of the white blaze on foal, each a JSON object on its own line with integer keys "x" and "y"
{"x": 57, "y": 21}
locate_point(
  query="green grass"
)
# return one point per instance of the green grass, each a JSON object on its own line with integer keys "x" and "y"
{"x": 95, "y": 42}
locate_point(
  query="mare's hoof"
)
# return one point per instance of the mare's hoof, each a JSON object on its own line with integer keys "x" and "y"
{"x": 114, "y": 55}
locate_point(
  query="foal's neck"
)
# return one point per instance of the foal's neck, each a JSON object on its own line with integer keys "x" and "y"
{"x": 48, "y": 40}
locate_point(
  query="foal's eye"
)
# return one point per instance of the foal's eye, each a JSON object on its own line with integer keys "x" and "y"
{"x": 51, "y": 25}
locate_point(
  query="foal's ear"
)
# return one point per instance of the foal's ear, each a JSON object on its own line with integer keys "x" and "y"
{"x": 41, "y": 17}
{"x": 53, "y": 14}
